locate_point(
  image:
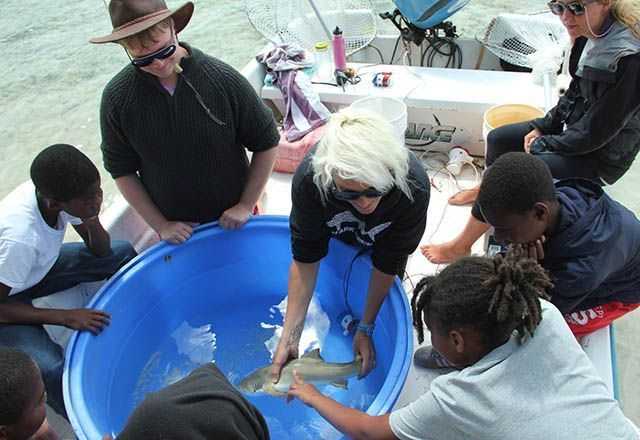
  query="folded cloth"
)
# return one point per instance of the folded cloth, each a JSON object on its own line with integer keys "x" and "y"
{"x": 303, "y": 109}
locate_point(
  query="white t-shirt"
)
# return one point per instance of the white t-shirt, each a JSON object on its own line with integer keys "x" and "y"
{"x": 545, "y": 389}
{"x": 28, "y": 245}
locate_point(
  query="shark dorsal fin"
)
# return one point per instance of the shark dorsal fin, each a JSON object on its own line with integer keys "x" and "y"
{"x": 313, "y": 354}
{"x": 342, "y": 383}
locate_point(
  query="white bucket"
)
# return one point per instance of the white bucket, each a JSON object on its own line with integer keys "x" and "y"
{"x": 505, "y": 114}
{"x": 391, "y": 109}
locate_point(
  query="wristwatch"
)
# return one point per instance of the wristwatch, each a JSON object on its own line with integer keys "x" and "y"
{"x": 367, "y": 329}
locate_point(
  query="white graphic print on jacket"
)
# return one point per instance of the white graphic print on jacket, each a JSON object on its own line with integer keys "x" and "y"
{"x": 346, "y": 222}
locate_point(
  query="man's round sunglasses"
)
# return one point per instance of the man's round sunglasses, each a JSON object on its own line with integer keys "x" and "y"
{"x": 161, "y": 54}
{"x": 576, "y": 7}
{"x": 346, "y": 195}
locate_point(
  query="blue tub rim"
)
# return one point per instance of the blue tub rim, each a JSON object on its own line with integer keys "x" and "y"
{"x": 74, "y": 353}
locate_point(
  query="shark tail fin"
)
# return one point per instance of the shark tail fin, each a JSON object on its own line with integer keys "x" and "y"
{"x": 313, "y": 354}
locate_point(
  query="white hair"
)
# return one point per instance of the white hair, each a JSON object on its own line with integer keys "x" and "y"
{"x": 361, "y": 146}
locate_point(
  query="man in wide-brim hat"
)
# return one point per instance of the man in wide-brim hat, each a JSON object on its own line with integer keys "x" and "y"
{"x": 175, "y": 125}
{"x": 131, "y": 17}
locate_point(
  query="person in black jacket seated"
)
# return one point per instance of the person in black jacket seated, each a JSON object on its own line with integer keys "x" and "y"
{"x": 202, "y": 406}
{"x": 594, "y": 130}
{"x": 361, "y": 186}
{"x": 588, "y": 243}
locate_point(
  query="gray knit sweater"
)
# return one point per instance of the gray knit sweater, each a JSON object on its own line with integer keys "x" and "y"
{"x": 193, "y": 168}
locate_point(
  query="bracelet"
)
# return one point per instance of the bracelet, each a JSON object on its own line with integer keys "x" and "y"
{"x": 367, "y": 329}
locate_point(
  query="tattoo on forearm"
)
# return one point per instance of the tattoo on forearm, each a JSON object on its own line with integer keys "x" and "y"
{"x": 295, "y": 334}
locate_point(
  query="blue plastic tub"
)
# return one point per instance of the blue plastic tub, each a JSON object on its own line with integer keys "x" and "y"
{"x": 214, "y": 299}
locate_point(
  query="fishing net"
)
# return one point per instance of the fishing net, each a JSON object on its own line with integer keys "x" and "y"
{"x": 526, "y": 40}
{"x": 535, "y": 41}
{"x": 296, "y": 21}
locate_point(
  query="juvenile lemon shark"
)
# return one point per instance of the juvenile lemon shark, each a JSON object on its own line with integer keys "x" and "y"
{"x": 310, "y": 367}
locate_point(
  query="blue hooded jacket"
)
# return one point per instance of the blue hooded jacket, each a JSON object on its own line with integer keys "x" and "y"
{"x": 593, "y": 256}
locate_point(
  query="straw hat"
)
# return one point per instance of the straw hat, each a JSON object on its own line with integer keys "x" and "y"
{"x": 130, "y": 17}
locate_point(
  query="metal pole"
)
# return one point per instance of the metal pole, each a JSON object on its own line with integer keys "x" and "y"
{"x": 324, "y": 25}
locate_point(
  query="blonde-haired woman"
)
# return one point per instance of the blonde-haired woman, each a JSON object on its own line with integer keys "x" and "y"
{"x": 594, "y": 130}
{"x": 361, "y": 186}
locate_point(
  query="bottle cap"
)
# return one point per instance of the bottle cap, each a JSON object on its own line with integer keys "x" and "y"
{"x": 322, "y": 45}
{"x": 337, "y": 31}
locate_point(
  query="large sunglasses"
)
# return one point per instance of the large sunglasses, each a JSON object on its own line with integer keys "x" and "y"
{"x": 346, "y": 195}
{"x": 576, "y": 8}
{"x": 161, "y": 54}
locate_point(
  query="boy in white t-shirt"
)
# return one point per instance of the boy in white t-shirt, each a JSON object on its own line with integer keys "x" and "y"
{"x": 522, "y": 375}
{"x": 34, "y": 262}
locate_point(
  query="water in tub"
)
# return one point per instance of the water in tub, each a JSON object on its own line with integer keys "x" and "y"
{"x": 241, "y": 342}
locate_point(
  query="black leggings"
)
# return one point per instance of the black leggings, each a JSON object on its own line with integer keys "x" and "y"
{"x": 510, "y": 138}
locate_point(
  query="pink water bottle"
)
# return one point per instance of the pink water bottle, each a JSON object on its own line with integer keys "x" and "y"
{"x": 339, "y": 56}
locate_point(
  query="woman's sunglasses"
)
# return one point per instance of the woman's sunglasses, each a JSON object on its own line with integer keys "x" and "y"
{"x": 346, "y": 195}
{"x": 161, "y": 54}
{"x": 576, "y": 8}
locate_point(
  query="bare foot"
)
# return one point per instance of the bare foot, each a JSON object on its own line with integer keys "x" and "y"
{"x": 444, "y": 252}
{"x": 465, "y": 197}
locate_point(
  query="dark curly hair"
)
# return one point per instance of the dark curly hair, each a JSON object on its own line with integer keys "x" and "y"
{"x": 495, "y": 296}
{"x": 19, "y": 372}
{"x": 514, "y": 183}
{"x": 62, "y": 172}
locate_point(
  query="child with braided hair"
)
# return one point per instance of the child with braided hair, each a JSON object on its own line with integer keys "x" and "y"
{"x": 521, "y": 374}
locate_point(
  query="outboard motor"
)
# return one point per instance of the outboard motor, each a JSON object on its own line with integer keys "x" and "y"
{"x": 426, "y": 14}
{"x": 418, "y": 19}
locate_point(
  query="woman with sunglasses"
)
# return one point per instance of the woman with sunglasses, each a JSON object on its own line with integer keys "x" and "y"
{"x": 594, "y": 130}
{"x": 361, "y": 186}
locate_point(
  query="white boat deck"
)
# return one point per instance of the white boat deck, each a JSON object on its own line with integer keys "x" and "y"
{"x": 457, "y": 98}
{"x": 449, "y": 89}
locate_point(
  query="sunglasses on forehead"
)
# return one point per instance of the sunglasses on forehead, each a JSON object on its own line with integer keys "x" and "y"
{"x": 346, "y": 195}
{"x": 161, "y": 54}
{"x": 576, "y": 7}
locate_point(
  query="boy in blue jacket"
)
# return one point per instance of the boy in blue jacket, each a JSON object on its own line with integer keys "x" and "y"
{"x": 589, "y": 243}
